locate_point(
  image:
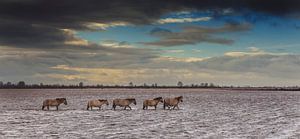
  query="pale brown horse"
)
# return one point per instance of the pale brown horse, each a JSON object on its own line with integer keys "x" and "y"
{"x": 54, "y": 102}
{"x": 169, "y": 102}
{"x": 123, "y": 103}
{"x": 152, "y": 102}
{"x": 96, "y": 103}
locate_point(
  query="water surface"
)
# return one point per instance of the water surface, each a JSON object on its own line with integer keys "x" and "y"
{"x": 204, "y": 113}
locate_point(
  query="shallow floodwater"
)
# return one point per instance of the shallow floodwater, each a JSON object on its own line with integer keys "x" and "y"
{"x": 203, "y": 114}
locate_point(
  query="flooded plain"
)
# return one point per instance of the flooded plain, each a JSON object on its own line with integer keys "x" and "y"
{"x": 204, "y": 113}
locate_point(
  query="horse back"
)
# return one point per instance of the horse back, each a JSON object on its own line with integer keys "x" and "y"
{"x": 50, "y": 102}
{"x": 170, "y": 101}
{"x": 149, "y": 102}
{"x": 95, "y": 103}
{"x": 145, "y": 103}
{"x": 120, "y": 102}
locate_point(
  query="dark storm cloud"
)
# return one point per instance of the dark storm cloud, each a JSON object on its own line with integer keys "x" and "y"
{"x": 195, "y": 34}
{"x": 38, "y": 23}
{"x": 22, "y": 34}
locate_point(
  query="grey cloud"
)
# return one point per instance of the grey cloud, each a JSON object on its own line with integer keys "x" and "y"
{"x": 31, "y": 64}
{"x": 32, "y": 36}
{"x": 268, "y": 65}
{"x": 279, "y": 66}
{"x": 37, "y": 23}
{"x": 195, "y": 34}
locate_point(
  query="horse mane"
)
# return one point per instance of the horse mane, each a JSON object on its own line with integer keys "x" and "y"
{"x": 158, "y": 98}
{"x": 178, "y": 98}
{"x": 130, "y": 99}
{"x": 60, "y": 98}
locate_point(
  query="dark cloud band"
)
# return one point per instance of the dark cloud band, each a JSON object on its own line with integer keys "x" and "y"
{"x": 38, "y": 23}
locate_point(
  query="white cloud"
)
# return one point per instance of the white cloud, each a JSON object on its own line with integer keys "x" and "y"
{"x": 175, "y": 51}
{"x": 182, "y": 59}
{"x": 197, "y": 50}
{"x": 115, "y": 44}
{"x": 104, "y": 26}
{"x": 182, "y": 20}
{"x": 79, "y": 42}
{"x": 76, "y": 41}
{"x": 253, "y": 51}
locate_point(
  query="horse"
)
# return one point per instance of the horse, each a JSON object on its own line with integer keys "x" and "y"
{"x": 54, "y": 102}
{"x": 169, "y": 102}
{"x": 123, "y": 103}
{"x": 152, "y": 102}
{"x": 96, "y": 103}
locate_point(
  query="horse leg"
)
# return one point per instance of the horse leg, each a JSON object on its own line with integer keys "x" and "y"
{"x": 57, "y": 108}
{"x": 125, "y": 107}
{"x": 143, "y": 107}
{"x": 99, "y": 107}
{"x": 43, "y": 107}
{"x": 129, "y": 107}
{"x": 164, "y": 105}
{"x": 48, "y": 107}
{"x": 155, "y": 107}
{"x": 114, "y": 106}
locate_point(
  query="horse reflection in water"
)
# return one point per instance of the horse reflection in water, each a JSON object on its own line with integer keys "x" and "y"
{"x": 123, "y": 103}
{"x": 54, "y": 102}
{"x": 172, "y": 102}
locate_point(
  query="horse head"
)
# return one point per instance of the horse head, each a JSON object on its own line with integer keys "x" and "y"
{"x": 62, "y": 100}
{"x": 132, "y": 100}
{"x": 160, "y": 99}
{"x": 65, "y": 101}
{"x": 180, "y": 98}
{"x": 106, "y": 102}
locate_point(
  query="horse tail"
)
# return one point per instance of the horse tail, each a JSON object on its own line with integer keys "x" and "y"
{"x": 144, "y": 105}
{"x": 44, "y": 104}
{"x": 88, "y": 106}
{"x": 114, "y": 105}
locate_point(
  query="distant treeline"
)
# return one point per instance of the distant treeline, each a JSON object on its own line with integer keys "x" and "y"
{"x": 180, "y": 85}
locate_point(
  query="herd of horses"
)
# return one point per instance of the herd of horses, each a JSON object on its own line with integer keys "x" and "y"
{"x": 125, "y": 103}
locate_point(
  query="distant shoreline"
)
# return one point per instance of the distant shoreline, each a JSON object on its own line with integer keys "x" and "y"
{"x": 163, "y": 87}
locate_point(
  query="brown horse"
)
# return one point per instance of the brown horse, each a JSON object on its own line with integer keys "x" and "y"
{"x": 54, "y": 102}
{"x": 123, "y": 103}
{"x": 169, "y": 102}
{"x": 96, "y": 103}
{"x": 152, "y": 102}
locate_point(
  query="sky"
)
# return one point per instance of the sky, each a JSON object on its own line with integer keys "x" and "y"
{"x": 228, "y": 42}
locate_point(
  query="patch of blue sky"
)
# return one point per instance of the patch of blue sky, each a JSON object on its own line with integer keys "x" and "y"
{"x": 269, "y": 33}
{"x": 276, "y": 35}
